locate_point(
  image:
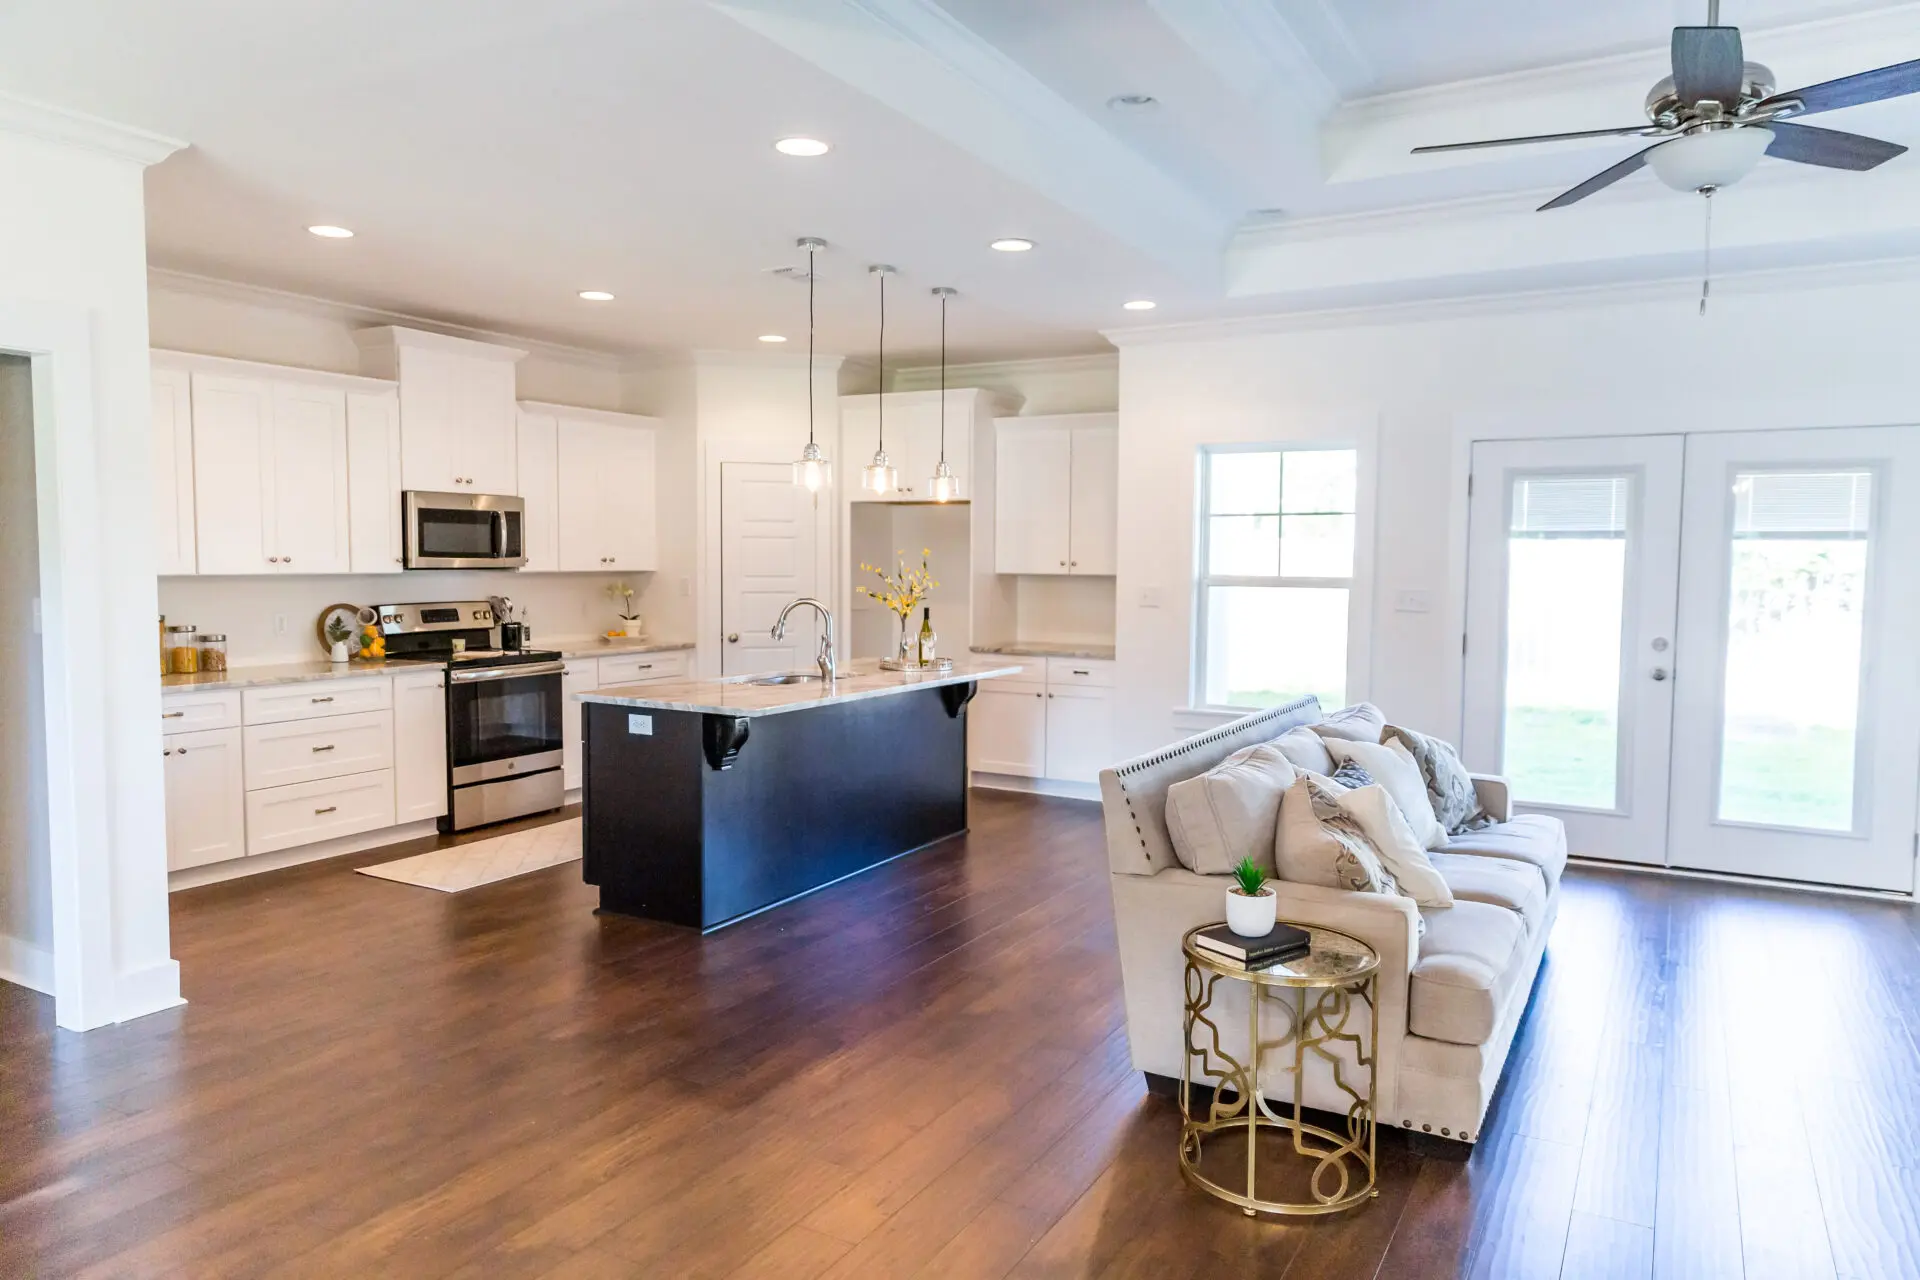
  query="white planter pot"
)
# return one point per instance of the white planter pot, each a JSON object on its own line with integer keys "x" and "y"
{"x": 1252, "y": 917}
{"x": 633, "y": 627}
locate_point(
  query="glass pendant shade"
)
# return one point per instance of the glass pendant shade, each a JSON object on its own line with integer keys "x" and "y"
{"x": 1711, "y": 158}
{"x": 945, "y": 486}
{"x": 880, "y": 475}
{"x": 812, "y": 471}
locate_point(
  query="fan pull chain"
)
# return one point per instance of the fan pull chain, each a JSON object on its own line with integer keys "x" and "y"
{"x": 1706, "y": 255}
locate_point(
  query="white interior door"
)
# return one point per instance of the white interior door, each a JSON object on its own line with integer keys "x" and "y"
{"x": 1797, "y": 727}
{"x": 1573, "y": 548}
{"x": 767, "y": 540}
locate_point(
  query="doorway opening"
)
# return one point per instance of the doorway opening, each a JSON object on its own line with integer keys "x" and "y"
{"x": 26, "y": 868}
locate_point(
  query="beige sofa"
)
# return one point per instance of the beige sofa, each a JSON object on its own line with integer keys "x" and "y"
{"x": 1449, "y": 1000}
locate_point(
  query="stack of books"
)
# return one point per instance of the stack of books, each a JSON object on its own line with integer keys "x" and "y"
{"x": 1285, "y": 942}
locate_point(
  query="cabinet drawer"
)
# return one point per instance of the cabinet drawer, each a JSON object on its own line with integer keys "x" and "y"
{"x": 1063, "y": 672}
{"x": 305, "y": 812}
{"x": 189, "y": 712}
{"x": 317, "y": 698}
{"x": 635, "y": 668}
{"x": 306, "y": 750}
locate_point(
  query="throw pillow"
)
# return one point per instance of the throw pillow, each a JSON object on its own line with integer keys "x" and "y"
{"x": 1351, "y": 775}
{"x": 1392, "y": 766}
{"x": 1317, "y": 843}
{"x": 1449, "y": 786}
{"x": 1379, "y": 818}
{"x": 1361, "y": 722}
{"x": 1305, "y": 749}
{"x": 1229, "y": 812}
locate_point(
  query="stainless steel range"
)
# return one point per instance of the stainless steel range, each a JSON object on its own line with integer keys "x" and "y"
{"x": 503, "y": 710}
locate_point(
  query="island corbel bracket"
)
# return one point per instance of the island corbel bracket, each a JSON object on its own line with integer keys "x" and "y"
{"x": 956, "y": 696}
{"x": 722, "y": 737}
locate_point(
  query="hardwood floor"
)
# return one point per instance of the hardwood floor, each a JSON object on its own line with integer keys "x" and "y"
{"x": 923, "y": 1072}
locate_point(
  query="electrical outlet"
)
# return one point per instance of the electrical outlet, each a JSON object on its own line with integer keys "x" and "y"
{"x": 686, "y": 587}
{"x": 279, "y": 624}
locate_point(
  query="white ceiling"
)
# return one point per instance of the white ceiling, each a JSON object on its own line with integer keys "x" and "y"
{"x": 497, "y": 156}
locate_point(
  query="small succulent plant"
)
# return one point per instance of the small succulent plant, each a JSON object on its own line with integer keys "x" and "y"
{"x": 1249, "y": 878}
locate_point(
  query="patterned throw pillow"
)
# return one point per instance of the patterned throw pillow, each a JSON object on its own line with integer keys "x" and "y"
{"x": 1449, "y": 786}
{"x": 1351, "y": 775}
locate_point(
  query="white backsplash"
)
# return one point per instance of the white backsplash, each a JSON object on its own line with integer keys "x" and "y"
{"x": 1065, "y": 610}
{"x": 252, "y": 612}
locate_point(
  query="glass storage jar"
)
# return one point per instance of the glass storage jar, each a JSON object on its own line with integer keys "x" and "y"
{"x": 183, "y": 650}
{"x": 213, "y": 652}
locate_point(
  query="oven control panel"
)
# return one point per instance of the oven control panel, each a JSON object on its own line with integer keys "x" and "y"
{"x": 453, "y": 615}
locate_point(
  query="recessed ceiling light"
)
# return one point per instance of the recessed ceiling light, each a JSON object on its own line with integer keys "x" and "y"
{"x": 1140, "y": 304}
{"x": 596, "y": 295}
{"x": 801, "y": 147}
{"x": 1132, "y": 102}
{"x": 1011, "y": 244}
{"x": 326, "y": 232}
{"x": 773, "y": 337}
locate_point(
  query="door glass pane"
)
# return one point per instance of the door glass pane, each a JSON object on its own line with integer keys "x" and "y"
{"x": 1269, "y": 645}
{"x": 1566, "y": 600}
{"x": 1794, "y": 629}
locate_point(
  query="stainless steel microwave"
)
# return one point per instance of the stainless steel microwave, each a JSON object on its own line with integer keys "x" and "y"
{"x": 464, "y": 530}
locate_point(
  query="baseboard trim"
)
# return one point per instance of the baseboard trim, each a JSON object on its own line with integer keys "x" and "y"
{"x": 235, "y": 868}
{"x": 25, "y": 965}
{"x": 1037, "y": 786}
{"x": 148, "y": 990}
{"x": 1751, "y": 882}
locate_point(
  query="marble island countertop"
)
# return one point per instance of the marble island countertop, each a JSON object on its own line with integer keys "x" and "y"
{"x": 741, "y": 697}
{"x": 1044, "y": 649}
{"x": 596, "y": 647}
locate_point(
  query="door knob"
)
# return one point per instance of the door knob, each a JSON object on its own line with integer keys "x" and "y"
{"x": 1659, "y": 673}
{"x": 734, "y": 638}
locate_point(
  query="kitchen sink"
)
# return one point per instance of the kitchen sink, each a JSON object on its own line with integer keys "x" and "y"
{"x": 787, "y": 677}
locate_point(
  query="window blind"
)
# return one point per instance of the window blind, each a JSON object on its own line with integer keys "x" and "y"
{"x": 1571, "y": 506}
{"x": 1798, "y": 503}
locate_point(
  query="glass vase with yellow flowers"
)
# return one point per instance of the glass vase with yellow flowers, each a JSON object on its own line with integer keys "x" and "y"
{"x": 901, "y": 592}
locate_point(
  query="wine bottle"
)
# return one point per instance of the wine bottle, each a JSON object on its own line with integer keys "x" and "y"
{"x": 926, "y": 636}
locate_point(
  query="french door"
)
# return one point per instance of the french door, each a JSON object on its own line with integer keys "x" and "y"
{"x": 1698, "y": 650}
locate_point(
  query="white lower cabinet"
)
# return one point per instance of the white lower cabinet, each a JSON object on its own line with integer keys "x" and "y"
{"x": 306, "y": 812}
{"x": 206, "y": 811}
{"x": 582, "y": 676}
{"x": 326, "y": 747}
{"x": 1007, "y": 728}
{"x": 419, "y": 745}
{"x": 1058, "y": 727}
{"x": 1079, "y": 733}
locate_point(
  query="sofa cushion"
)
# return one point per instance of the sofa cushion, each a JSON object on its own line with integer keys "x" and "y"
{"x": 1361, "y": 722}
{"x": 1449, "y": 786}
{"x": 1471, "y": 958}
{"x": 1527, "y": 837}
{"x": 1316, "y": 843}
{"x": 1504, "y": 882}
{"x": 1304, "y": 748}
{"x": 1393, "y": 767}
{"x": 1229, "y": 812}
{"x": 1393, "y": 841}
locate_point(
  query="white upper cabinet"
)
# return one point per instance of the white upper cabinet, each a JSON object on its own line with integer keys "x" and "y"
{"x": 232, "y": 462}
{"x": 607, "y": 516}
{"x": 457, "y": 414}
{"x": 306, "y": 504}
{"x": 913, "y": 440}
{"x": 1056, "y": 485}
{"x": 539, "y": 466}
{"x": 375, "y": 529}
{"x": 173, "y": 471}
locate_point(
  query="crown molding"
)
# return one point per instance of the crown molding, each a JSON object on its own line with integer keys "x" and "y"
{"x": 350, "y": 313}
{"x": 918, "y": 377}
{"x": 1666, "y": 288}
{"x": 77, "y": 129}
{"x": 765, "y": 360}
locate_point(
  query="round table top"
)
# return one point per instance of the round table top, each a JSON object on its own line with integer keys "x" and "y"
{"x": 1336, "y": 960}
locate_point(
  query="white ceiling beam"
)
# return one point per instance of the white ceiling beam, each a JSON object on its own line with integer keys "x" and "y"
{"x": 915, "y": 58}
{"x": 1256, "y": 52}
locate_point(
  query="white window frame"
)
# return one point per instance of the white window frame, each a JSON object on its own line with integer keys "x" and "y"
{"x": 1359, "y": 586}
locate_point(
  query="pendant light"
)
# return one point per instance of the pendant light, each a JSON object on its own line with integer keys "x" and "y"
{"x": 811, "y": 471}
{"x": 944, "y": 486}
{"x": 880, "y": 475}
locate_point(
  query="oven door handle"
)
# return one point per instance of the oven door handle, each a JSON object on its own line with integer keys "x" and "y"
{"x": 506, "y": 673}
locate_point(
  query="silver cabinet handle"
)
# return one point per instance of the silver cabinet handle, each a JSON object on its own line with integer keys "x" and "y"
{"x": 286, "y": 559}
{"x": 171, "y": 715}
{"x": 328, "y": 747}
{"x": 1073, "y": 564}
{"x": 328, "y": 698}
{"x": 1659, "y": 673}
{"x": 1063, "y": 564}
{"x": 273, "y": 559}
{"x": 1078, "y": 672}
{"x": 329, "y": 809}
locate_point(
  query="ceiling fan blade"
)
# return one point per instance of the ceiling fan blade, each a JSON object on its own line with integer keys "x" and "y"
{"x": 1851, "y": 91}
{"x": 1828, "y": 147}
{"x": 1605, "y": 178}
{"x": 1708, "y": 63}
{"x": 1629, "y": 131}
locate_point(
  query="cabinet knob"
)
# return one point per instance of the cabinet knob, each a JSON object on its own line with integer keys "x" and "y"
{"x": 1074, "y": 564}
{"x": 286, "y": 559}
{"x": 273, "y": 559}
{"x": 734, "y": 638}
{"x": 1063, "y": 564}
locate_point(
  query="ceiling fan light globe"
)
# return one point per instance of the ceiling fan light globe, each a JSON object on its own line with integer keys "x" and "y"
{"x": 1710, "y": 158}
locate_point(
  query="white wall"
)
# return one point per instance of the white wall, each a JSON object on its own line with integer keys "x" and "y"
{"x": 26, "y": 889}
{"x": 1595, "y": 365}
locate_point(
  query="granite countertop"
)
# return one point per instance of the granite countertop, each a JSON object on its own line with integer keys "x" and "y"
{"x": 738, "y": 697}
{"x": 595, "y": 647}
{"x": 1041, "y": 649}
{"x": 291, "y": 673}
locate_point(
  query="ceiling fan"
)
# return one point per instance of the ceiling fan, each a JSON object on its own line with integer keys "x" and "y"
{"x": 1717, "y": 114}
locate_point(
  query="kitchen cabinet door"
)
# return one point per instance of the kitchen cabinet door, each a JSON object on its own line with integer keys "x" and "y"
{"x": 582, "y": 675}
{"x": 1033, "y": 469}
{"x": 307, "y": 511}
{"x": 628, "y": 501}
{"x": 419, "y": 745}
{"x": 1093, "y": 501}
{"x": 374, "y": 529}
{"x": 206, "y": 797}
{"x": 1079, "y": 732}
{"x": 582, "y": 481}
{"x": 484, "y": 449}
{"x": 173, "y": 471}
{"x": 232, "y": 460}
{"x": 1007, "y": 729}
{"x": 429, "y": 399}
{"x": 537, "y": 444}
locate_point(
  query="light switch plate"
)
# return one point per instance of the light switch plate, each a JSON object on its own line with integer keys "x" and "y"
{"x": 639, "y": 724}
{"x": 1413, "y": 602}
{"x": 1149, "y": 597}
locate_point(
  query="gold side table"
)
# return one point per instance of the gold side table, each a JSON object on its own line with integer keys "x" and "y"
{"x": 1315, "y": 996}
